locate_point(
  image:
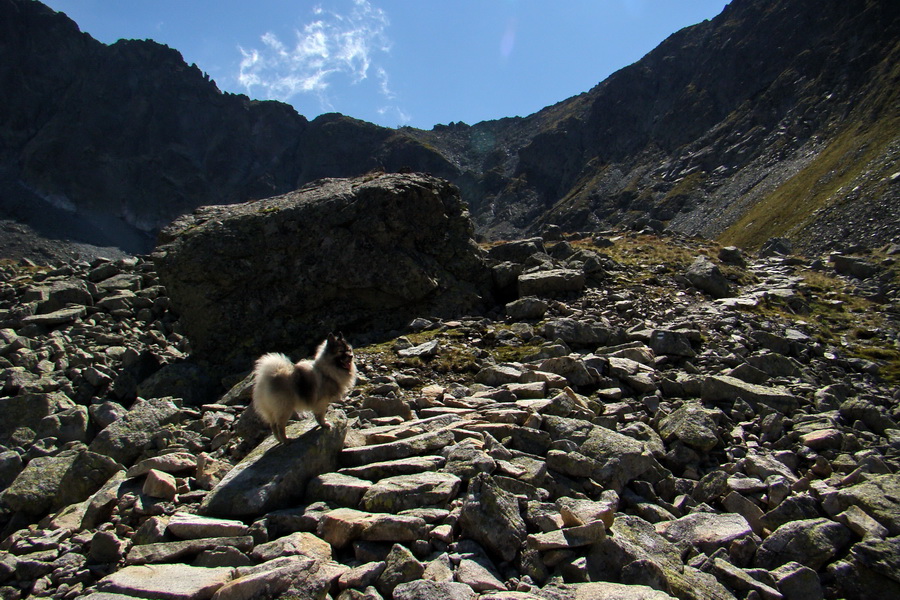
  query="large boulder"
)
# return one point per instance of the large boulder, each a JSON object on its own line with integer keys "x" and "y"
{"x": 273, "y": 475}
{"x": 365, "y": 254}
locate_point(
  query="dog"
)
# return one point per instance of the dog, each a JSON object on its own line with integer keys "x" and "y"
{"x": 281, "y": 387}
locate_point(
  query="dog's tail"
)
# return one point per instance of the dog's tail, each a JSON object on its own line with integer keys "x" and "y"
{"x": 272, "y": 364}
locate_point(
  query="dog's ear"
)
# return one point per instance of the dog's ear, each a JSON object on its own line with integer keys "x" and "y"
{"x": 340, "y": 336}
{"x": 331, "y": 339}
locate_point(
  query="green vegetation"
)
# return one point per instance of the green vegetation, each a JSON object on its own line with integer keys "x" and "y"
{"x": 852, "y": 154}
{"x": 840, "y": 317}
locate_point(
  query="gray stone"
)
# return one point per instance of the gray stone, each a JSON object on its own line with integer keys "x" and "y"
{"x": 853, "y": 266}
{"x": 796, "y": 582}
{"x": 69, "y": 425}
{"x": 28, "y": 410}
{"x": 706, "y": 276}
{"x": 672, "y": 343}
{"x": 517, "y": 250}
{"x": 275, "y": 475}
{"x": 551, "y": 282}
{"x": 776, "y": 246}
{"x": 165, "y": 552}
{"x": 10, "y": 467}
{"x": 878, "y": 496}
{"x": 403, "y": 448}
{"x": 342, "y": 526}
{"x": 874, "y": 417}
{"x": 403, "y": 466}
{"x": 579, "y": 333}
{"x": 166, "y": 582}
{"x": 466, "y": 461}
{"x": 433, "y": 590}
{"x": 124, "y": 440}
{"x": 617, "y": 458}
{"x": 57, "y": 317}
{"x": 810, "y": 542}
{"x": 529, "y": 308}
{"x": 693, "y": 425}
{"x": 296, "y": 577}
{"x": 106, "y": 547}
{"x": 404, "y": 492}
{"x": 87, "y": 473}
{"x": 491, "y": 517}
{"x": 35, "y": 489}
{"x": 568, "y": 537}
{"x": 399, "y": 246}
{"x": 301, "y": 543}
{"x": 190, "y": 526}
{"x": 731, "y": 255}
{"x": 497, "y": 375}
{"x": 185, "y": 380}
{"x": 875, "y": 569}
{"x": 706, "y": 531}
{"x": 338, "y": 488}
{"x": 573, "y": 368}
{"x": 400, "y": 567}
{"x": 634, "y": 540}
{"x": 429, "y": 349}
{"x": 175, "y": 462}
{"x": 722, "y": 388}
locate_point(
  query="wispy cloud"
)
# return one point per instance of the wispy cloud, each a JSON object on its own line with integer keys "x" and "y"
{"x": 333, "y": 47}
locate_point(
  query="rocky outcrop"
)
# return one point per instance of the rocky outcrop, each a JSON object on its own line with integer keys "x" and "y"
{"x": 359, "y": 255}
{"x": 677, "y": 446}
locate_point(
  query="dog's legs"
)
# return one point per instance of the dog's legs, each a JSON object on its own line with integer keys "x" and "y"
{"x": 278, "y": 429}
{"x": 320, "y": 417}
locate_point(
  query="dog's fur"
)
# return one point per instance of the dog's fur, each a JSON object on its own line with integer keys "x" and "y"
{"x": 282, "y": 387}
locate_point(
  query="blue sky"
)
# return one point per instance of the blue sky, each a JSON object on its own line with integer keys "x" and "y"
{"x": 400, "y": 62}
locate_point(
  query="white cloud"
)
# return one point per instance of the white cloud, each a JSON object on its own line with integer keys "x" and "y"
{"x": 330, "y": 48}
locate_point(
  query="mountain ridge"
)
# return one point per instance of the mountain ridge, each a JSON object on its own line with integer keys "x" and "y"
{"x": 729, "y": 129}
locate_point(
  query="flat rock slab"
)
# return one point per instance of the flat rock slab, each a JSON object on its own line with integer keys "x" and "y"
{"x": 879, "y": 497}
{"x": 189, "y": 526}
{"x": 570, "y": 537}
{"x": 404, "y": 448}
{"x": 273, "y": 476}
{"x": 175, "y": 462}
{"x": 57, "y": 317}
{"x": 301, "y": 543}
{"x": 405, "y": 492}
{"x": 170, "y": 551}
{"x": 706, "y": 531}
{"x": 618, "y": 591}
{"x": 124, "y": 439}
{"x": 551, "y": 282}
{"x": 167, "y": 582}
{"x": 344, "y": 525}
{"x": 719, "y": 388}
{"x": 390, "y": 468}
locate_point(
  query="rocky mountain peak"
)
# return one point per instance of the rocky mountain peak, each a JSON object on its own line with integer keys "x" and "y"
{"x": 772, "y": 119}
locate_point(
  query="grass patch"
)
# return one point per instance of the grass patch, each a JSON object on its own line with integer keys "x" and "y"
{"x": 793, "y": 204}
{"x": 840, "y": 317}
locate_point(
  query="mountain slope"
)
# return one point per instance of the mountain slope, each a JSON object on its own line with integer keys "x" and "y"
{"x": 746, "y": 110}
{"x": 778, "y": 117}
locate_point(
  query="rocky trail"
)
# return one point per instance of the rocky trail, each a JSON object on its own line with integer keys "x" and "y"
{"x": 646, "y": 417}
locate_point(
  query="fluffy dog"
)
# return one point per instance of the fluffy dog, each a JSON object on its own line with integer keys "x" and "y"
{"x": 282, "y": 387}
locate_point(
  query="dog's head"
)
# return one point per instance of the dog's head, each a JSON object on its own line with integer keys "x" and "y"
{"x": 336, "y": 346}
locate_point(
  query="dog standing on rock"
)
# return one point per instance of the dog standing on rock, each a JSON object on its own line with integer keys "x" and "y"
{"x": 282, "y": 387}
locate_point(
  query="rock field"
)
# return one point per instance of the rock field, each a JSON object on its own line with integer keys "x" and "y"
{"x": 646, "y": 417}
